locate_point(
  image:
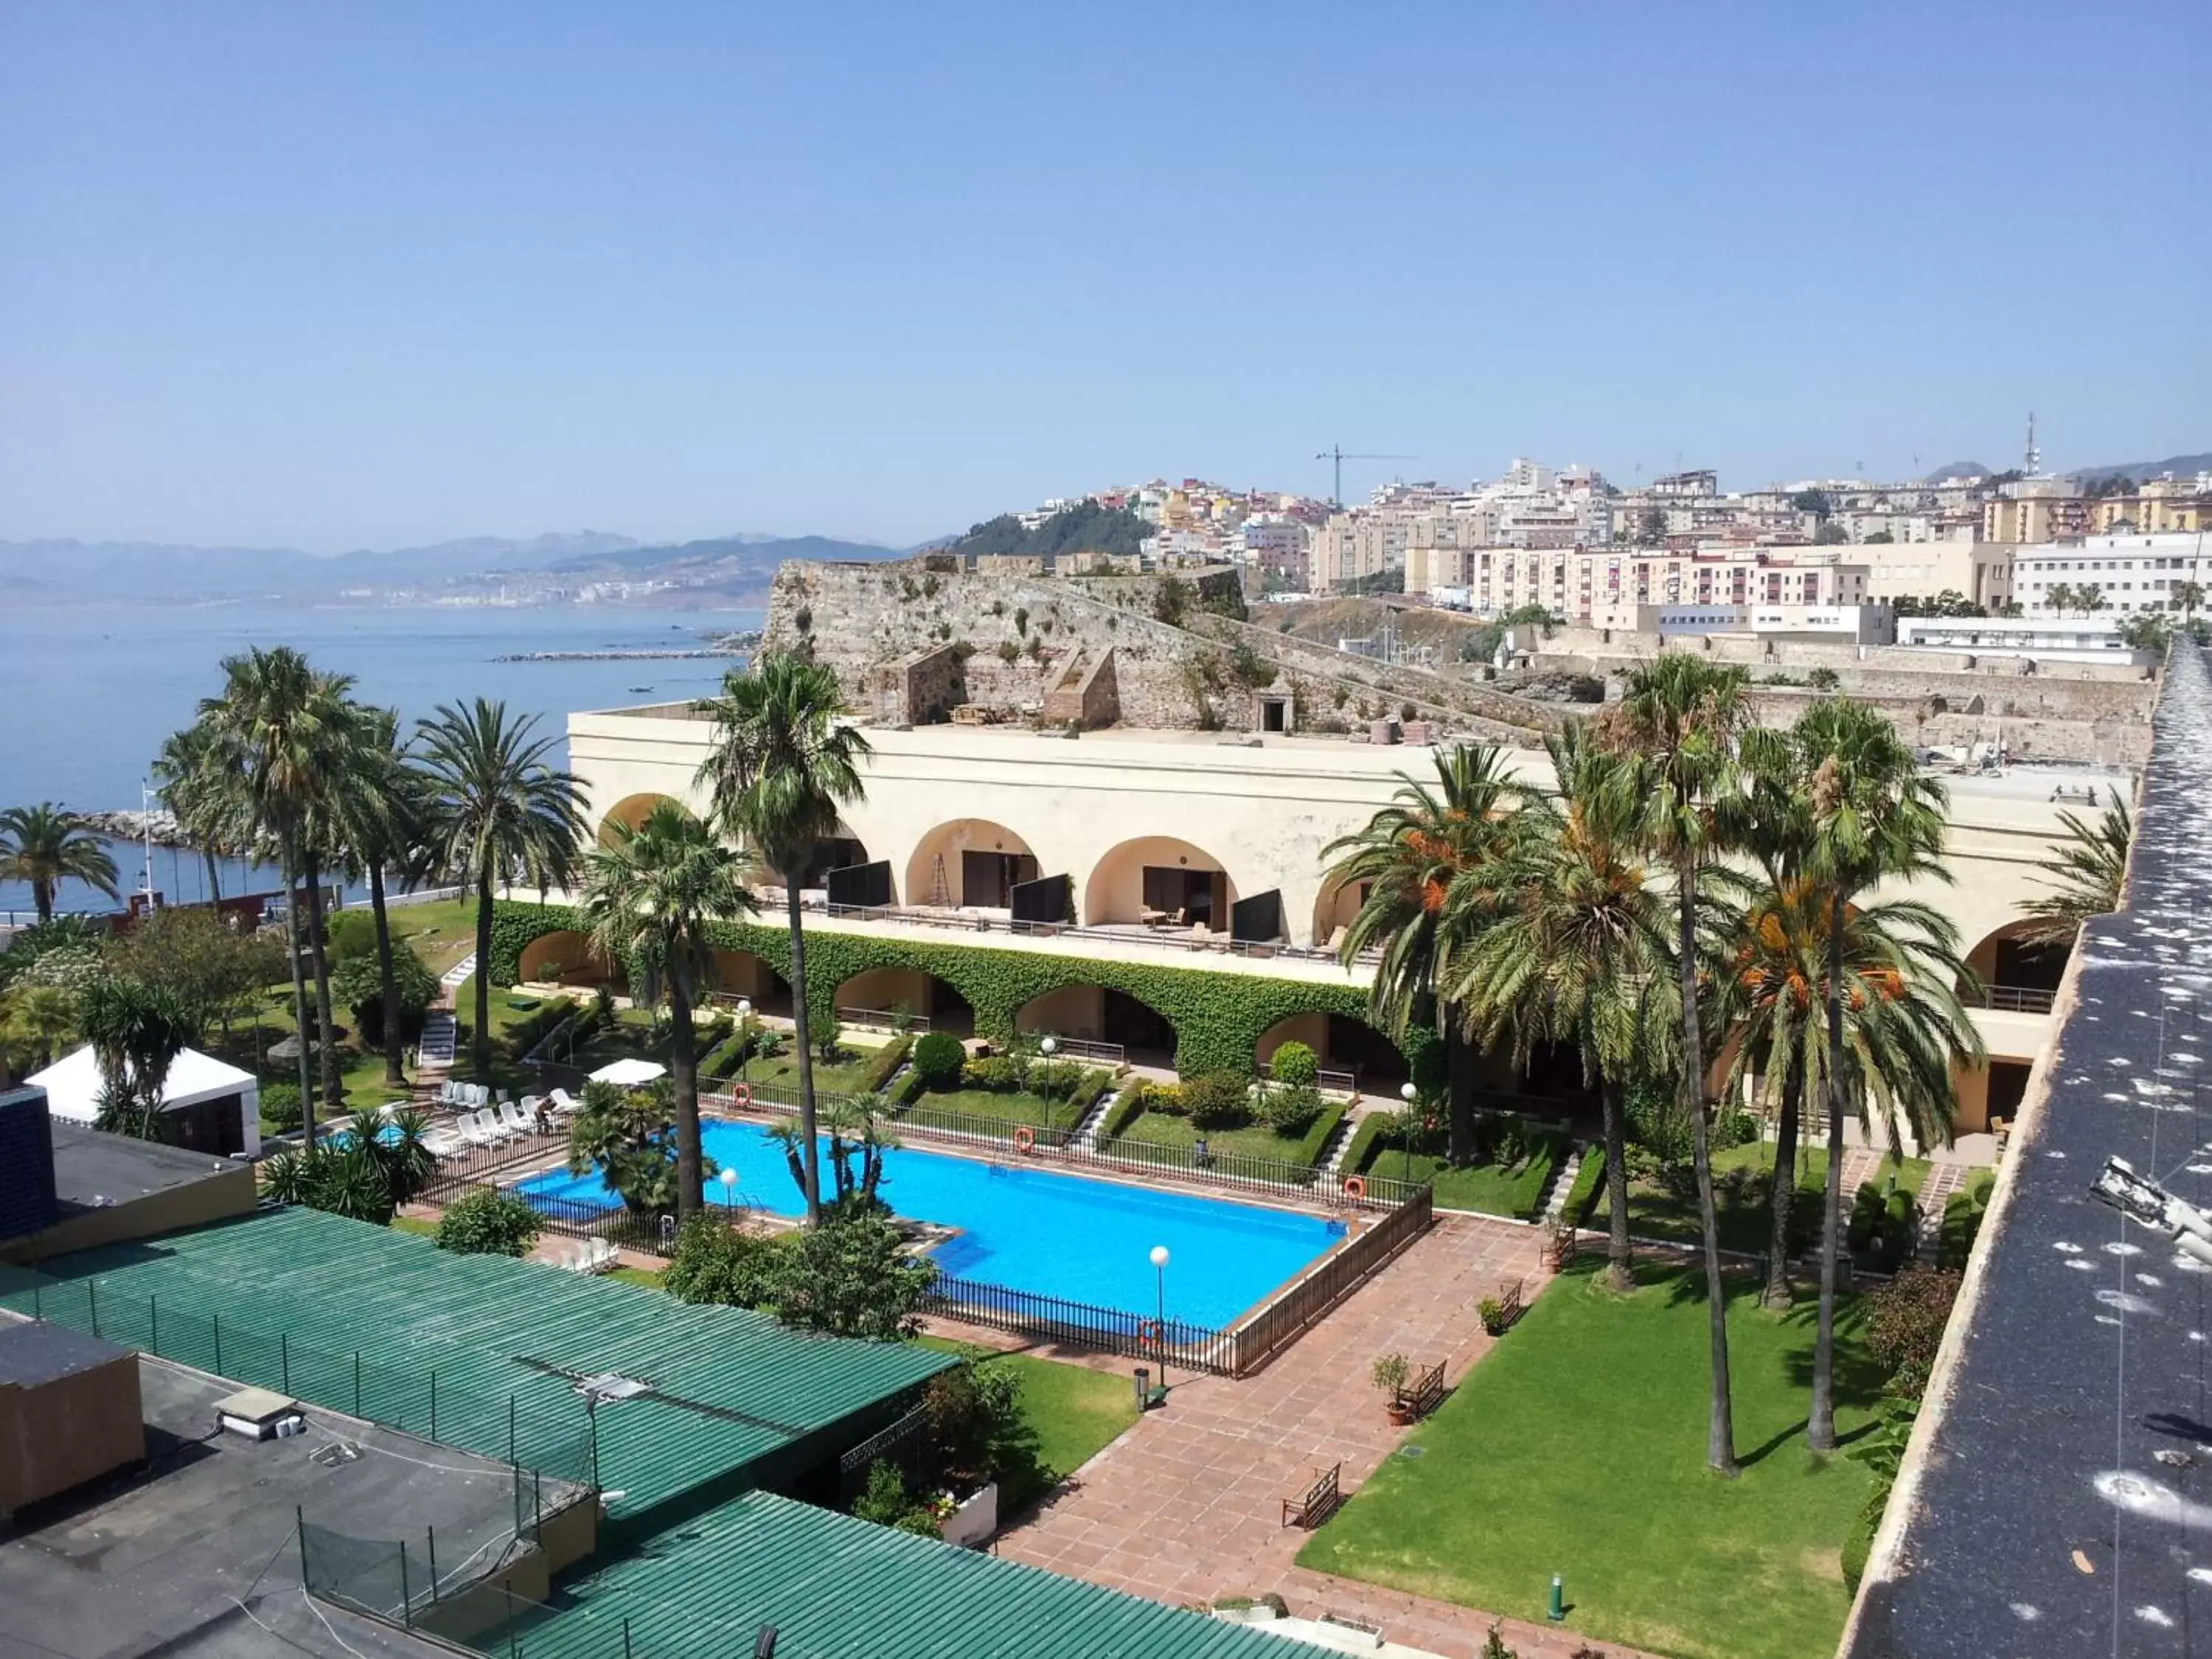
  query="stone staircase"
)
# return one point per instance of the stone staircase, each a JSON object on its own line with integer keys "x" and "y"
{"x": 1943, "y": 1180}
{"x": 1332, "y": 1155}
{"x": 1086, "y": 1132}
{"x": 1563, "y": 1182}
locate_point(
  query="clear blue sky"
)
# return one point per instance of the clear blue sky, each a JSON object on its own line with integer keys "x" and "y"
{"x": 335, "y": 276}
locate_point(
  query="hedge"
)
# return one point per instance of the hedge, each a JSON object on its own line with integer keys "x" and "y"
{"x": 1373, "y": 1128}
{"x": 884, "y": 1064}
{"x": 1218, "y": 1017}
{"x": 1582, "y": 1197}
{"x": 1317, "y": 1138}
{"x": 1128, "y": 1106}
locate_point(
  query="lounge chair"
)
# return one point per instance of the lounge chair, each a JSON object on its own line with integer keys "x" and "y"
{"x": 445, "y": 1141}
{"x": 512, "y": 1116}
{"x": 472, "y": 1130}
{"x": 489, "y": 1127}
{"x": 599, "y": 1255}
{"x": 564, "y": 1104}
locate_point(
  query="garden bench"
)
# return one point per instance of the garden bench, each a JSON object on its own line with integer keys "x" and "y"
{"x": 1511, "y": 1302}
{"x": 1424, "y": 1392}
{"x": 1314, "y": 1503}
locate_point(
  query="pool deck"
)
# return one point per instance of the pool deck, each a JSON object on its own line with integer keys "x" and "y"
{"x": 1186, "y": 1505}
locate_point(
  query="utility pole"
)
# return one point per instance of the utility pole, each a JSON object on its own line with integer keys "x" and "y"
{"x": 1340, "y": 455}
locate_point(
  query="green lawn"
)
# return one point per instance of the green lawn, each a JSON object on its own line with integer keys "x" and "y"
{"x": 412, "y": 1224}
{"x": 1174, "y": 1131}
{"x": 1513, "y": 1189}
{"x": 1074, "y": 1410}
{"x": 1578, "y": 1446}
{"x": 1013, "y": 1106}
{"x": 844, "y": 1078}
{"x": 442, "y": 932}
{"x": 1739, "y": 1178}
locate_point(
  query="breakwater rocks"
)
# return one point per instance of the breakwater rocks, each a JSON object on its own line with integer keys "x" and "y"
{"x": 726, "y": 648}
{"x": 161, "y": 826}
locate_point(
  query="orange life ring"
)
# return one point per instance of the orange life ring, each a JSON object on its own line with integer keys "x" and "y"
{"x": 1024, "y": 1140}
{"x": 741, "y": 1094}
{"x": 1355, "y": 1187}
{"x": 1149, "y": 1334}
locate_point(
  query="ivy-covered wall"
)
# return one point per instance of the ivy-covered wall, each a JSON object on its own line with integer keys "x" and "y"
{"x": 1218, "y": 1018}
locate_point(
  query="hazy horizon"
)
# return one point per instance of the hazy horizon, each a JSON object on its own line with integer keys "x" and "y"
{"x": 333, "y": 279}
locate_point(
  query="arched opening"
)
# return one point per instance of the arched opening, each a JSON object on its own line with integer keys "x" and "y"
{"x": 568, "y": 958}
{"x": 1161, "y": 882}
{"x": 1334, "y": 910}
{"x": 630, "y": 812}
{"x": 839, "y": 851}
{"x": 881, "y": 996}
{"x": 970, "y": 863}
{"x": 2019, "y": 972}
{"x": 1353, "y": 1054}
{"x": 1097, "y": 1013}
{"x": 753, "y": 977}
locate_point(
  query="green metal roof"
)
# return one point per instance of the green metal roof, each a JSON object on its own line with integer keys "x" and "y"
{"x": 310, "y": 1303}
{"x": 835, "y": 1588}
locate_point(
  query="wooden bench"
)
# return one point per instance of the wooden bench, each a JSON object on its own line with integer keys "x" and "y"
{"x": 1511, "y": 1303}
{"x": 1315, "y": 1502}
{"x": 1424, "y": 1394}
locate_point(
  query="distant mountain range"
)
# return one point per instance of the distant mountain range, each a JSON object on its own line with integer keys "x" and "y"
{"x": 62, "y": 570}
{"x": 2182, "y": 466}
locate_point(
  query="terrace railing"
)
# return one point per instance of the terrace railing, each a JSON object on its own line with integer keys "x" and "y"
{"x": 1174, "y": 1342}
{"x": 1162, "y": 938}
{"x": 1280, "y": 1319}
{"x": 883, "y": 1019}
{"x": 2013, "y": 998}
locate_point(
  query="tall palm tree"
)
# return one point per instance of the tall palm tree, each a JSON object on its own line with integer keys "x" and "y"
{"x": 1409, "y": 857}
{"x": 41, "y": 846}
{"x": 495, "y": 807}
{"x": 283, "y": 731}
{"x": 136, "y": 1031}
{"x": 1577, "y": 952}
{"x": 1684, "y": 716}
{"x": 1873, "y": 817}
{"x": 2086, "y": 875}
{"x": 649, "y": 896}
{"x": 780, "y": 765}
{"x": 37, "y": 1020}
{"x": 205, "y": 798}
{"x": 376, "y": 822}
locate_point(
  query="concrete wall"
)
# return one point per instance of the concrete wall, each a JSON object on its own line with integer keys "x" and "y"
{"x": 216, "y": 1198}
{"x": 62, "y": 1433}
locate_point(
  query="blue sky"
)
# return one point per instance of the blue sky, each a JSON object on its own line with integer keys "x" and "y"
{"x": 332, "y": 276}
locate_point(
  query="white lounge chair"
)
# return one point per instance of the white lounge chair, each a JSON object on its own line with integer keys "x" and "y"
{"x": 564, "y": 1104}
{"x": 517, "y": 1122}
{"x": 599, "y": 1254}
{"x": 443, "y": 1142}
{"x": 482, "y": 1128}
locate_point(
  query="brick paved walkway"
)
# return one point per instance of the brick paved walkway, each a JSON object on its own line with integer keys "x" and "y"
{"x": 1187, "y": 1506}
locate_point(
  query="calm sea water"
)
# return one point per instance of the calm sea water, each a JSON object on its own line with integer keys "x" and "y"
{"x": 88, "y": 693}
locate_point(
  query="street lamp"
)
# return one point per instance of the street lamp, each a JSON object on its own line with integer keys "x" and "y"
{"x": 1160, "y": 1306}
{"x": 1409, "y": 1094}
{"x": 729, "y": 1180}
{"x": 1048, "y": 1047}
{"x": 744, "y": 1041}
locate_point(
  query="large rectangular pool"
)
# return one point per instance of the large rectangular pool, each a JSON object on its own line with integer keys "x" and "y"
{"x": 1038, "y": 1229}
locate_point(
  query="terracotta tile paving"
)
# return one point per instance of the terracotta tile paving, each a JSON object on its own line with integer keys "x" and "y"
{"x": 1187, "y": 1506}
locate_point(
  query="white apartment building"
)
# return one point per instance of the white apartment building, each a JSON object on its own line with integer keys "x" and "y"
{"x": 1276, "y": 545}
{"x": 2134, "y": 573}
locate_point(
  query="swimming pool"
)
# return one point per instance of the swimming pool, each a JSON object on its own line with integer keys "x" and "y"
{"x": 1036, "y": 1230}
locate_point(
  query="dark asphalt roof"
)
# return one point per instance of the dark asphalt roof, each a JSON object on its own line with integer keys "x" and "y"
{"x": 2058, "y": 1499}
{"x": 89, "y": 1166}
{"x": 33, "y": 1353}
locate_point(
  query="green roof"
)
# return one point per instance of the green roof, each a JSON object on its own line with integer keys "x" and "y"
{"x": 835, "y": 1588}
{"x": 322, "y": 1307}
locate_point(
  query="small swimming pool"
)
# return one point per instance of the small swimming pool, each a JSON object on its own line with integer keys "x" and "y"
{"x": 1036, "y": 1230}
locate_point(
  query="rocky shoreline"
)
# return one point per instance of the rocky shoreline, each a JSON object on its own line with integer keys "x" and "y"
{"x": 621, "y": 656}
{"x": 137, "y": 826}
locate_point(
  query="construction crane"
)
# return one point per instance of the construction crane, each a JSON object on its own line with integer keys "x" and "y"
{"x": 1341, "y": 456}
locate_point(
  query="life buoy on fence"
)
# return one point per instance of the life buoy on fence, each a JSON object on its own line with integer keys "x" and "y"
{"x": 1025, "y": 1140}
{"x": 741, "y": 1094}
{"x": 1149, "y": 1334}
{"x": 1355, "y": 1187}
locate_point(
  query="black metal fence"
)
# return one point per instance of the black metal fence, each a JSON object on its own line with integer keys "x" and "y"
{"x": 904, "y": 1444}
{"x": 1111, "y": 1330}
{"x": 1280, "y": 1319}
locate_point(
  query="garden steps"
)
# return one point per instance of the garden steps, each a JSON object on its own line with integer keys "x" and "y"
{"x": 1086, "y": 1132}
{"x": 1331, "y": 1159}
{"x": 440, "y": 1032}
{"x": 1943, "y": 1180}
{"x": 453, "y": 977}
{"x": 1563, "y": 1182}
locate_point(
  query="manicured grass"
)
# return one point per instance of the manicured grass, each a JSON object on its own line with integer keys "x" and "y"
{"x": 1074, "y": 1411}
{"x": 413, "y": 1224}
{"x": 845, "y": 1078}
{"x": 1172, "y": 1130}
{"x": 442, "y": 932}
{"x": 644, "y": 1276}
{"x": 1578, "y": 1446}
{"x": 1011, "y": 1106}
{"x": 1740, "y": 1179}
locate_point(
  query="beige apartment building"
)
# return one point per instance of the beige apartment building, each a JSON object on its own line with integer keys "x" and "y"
{"x": 1166, "y": 839}
{"x": 1980, "y": 570}
{"x": 1585, "y": 585}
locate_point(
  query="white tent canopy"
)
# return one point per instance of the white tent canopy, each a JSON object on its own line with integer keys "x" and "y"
{"x": 629, "y": 1073}
{"x": 72, "y": 1086}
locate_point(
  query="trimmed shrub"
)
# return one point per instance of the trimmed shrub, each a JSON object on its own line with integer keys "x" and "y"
{"x": 1589, "y": 1185}
{"x": 938, "y": 1059}
{"x": 1295, "y": 1066}
{"x": 1962, "y": 1221}
{"x": 1089, "y": 1083}
{"x": 1319, "y": 1133}
{"x": 487, "y": 1222}
{"x": 1291, "y": 1111}
{"x": 1905, "y": 1324}
{"x": 1127, "y": 1107}
{"x": 1164, "y": 1098}
{"x": 280, "y": 1106}
{"x": 1219, "y": 1100}
{"x": 999, "y": 1074}
{"x": 1368, "y": 1139}
{"x": 884, "y": 1065}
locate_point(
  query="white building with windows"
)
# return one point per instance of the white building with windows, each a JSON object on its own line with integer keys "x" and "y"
{"x": 2131, "y": 573}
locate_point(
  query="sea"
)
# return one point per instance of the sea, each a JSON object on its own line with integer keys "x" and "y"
{"x": 89, "y": 692}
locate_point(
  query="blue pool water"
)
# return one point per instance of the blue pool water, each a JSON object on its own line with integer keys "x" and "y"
{"x": 1035, "y": 1229}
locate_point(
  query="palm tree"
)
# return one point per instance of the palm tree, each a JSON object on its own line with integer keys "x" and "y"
{"x": 42, "y": 845}
{"x": 650, "y": 895}
{"x": 1576, "y": 954}
{"x": 2086, "y": 875}
{"x": 1409, "y": 857}
{"x": 377, "y": 821}
{"x": 1873, "y": 817}
{"x": 1684, "y": 717}
{"x": 203, "y": 798}
{"x": 2189, "y": 597}
{"x": 2062, "y": 598}
{"x": 780, "y": 765}
{"x": 136, "y": 1032}
{"x": 36, "y": 1020}
{"x": 281, "y": 731}
{"x": 495, "y": 807}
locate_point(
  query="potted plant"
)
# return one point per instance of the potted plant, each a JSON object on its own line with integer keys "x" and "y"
{"x": 1559, "y": 1245}
{"x": 1491, "y": 1311}
{"x": 1389, "y": 1374}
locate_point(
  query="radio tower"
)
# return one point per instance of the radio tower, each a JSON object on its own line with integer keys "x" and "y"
{"x": 2034, "y": 455}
